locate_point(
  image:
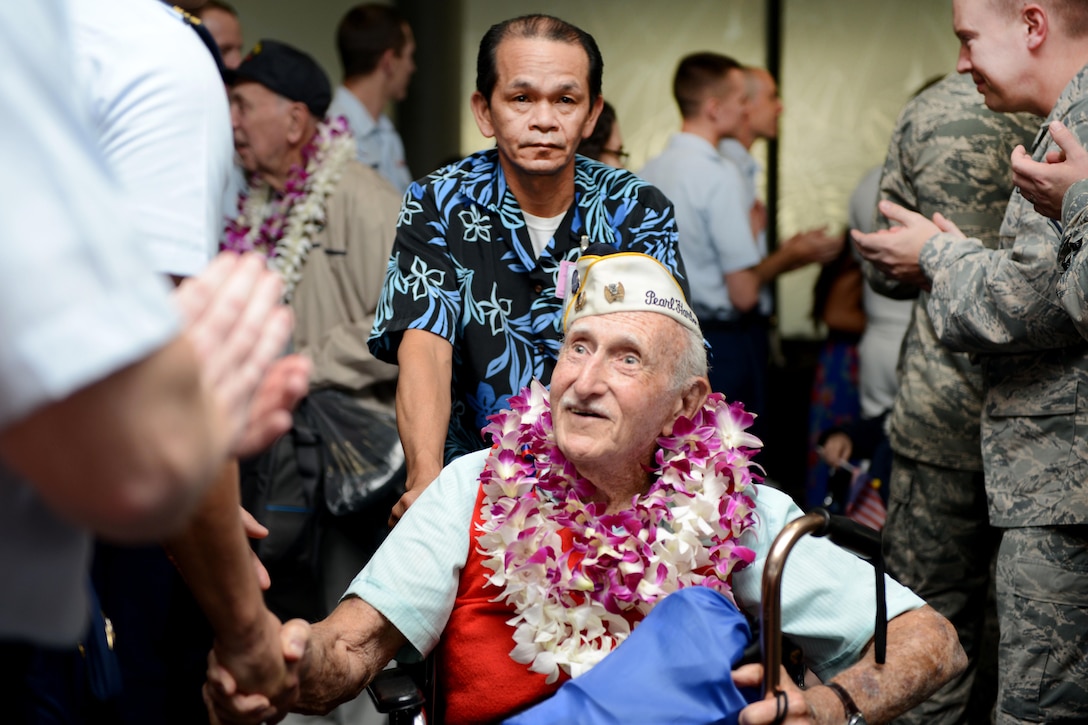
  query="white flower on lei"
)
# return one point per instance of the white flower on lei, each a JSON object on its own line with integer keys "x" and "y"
{"x": 571, "y": 611}
{"x": 284, "y": 229}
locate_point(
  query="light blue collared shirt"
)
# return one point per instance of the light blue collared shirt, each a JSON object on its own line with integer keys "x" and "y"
{"x": 712, "y": 218}
{"x": 750, "y": 169}
{"x": 377, "y": 143}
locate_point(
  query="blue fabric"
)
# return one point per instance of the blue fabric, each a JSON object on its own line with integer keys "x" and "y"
{"x": 681, "y": 655}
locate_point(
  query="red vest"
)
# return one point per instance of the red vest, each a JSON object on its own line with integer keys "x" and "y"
{"x": 477, "y": 680}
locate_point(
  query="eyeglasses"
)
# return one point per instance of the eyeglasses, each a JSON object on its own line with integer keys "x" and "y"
{"x": 618, "y": 153}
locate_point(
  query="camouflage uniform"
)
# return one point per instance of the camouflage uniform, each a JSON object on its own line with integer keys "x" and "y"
{"x": 949, "y": 153}
{"x": 1073, "y": 284}
{"x": 1004, "y": 305}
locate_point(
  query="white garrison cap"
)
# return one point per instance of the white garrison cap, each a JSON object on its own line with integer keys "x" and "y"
{"x": 626, "y": 282}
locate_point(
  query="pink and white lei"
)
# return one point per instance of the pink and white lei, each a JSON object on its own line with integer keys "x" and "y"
{"x": 283, "y": 225}
{"x": 682, "y": 532}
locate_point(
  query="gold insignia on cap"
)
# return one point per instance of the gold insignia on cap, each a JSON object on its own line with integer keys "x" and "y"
{"x": 613, "y": 292}
{"x": 580, "y": 301}
{"x": 256, "y": 49}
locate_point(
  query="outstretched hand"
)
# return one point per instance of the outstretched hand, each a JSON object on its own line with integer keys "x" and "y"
{"x": 285, "y": 384}
{"x": 896, "y": 251}
{"x": 817, "y": 246}
{"x": 1044, "y": 183}
{"x": 229, "y": 704}
{"x": 237, "y": 326}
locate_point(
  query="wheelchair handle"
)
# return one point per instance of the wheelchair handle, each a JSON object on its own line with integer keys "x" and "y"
{"x": 856, "y": 538}
{"x": 850, "y": 535}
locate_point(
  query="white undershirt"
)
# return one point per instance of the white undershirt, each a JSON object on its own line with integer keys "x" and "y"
{"x": 541, "y": 229}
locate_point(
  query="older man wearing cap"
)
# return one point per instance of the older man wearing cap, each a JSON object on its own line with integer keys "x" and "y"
{"x": 525, "y": 564}
{"x": 326, "y": 223}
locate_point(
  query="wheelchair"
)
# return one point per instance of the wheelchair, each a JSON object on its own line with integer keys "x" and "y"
{"x": 403, "y": 692}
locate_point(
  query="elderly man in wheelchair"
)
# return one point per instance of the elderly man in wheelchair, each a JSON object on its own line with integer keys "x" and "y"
{"x": 524, "y": 565}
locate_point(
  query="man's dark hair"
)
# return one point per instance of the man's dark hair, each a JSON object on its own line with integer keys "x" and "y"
{"x": 215, "y": 5}
{"x": 695, "y": 74}
{"x": 535, "y": 26}
{"x": 593, "y": 144}
{"x": 365, "y": 33}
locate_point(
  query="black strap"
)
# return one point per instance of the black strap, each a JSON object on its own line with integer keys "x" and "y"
{"x": 880, "y": 630}
{"x": 781, "y": 707}
{"x": 847, "y": 702}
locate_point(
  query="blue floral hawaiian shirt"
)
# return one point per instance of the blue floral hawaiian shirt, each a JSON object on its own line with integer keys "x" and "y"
{"x": 463, "y": 267}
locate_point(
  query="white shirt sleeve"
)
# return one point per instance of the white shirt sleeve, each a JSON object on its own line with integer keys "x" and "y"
{"x": 413, "y": 577}
{"x": 161, "y": 114}
{"x": 77, "y": 298}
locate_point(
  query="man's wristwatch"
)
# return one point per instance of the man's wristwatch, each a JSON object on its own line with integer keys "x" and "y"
{"x": 853, "y": 714}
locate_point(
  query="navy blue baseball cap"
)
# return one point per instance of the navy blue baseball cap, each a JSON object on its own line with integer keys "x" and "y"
{"x": 288, "y": 71}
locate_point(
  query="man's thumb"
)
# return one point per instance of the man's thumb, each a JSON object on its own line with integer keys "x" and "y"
{"x": 1065, "y": 139}
{"x": 294, "y": 636}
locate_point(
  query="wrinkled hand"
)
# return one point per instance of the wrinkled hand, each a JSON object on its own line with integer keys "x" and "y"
{"x": 254, "y": 530}
{"x": 1044, "y": 184}
{"x": 815, "y": 246}
{"x": 765, "y": 711}
{"x": 836, "y": 449}
{"x": 237, "y": 327}
{"x": 285, "y": 384}
{"x": 226, "y": 698}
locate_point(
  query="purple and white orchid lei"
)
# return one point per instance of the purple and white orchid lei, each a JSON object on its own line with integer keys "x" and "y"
{"x": 282, "y": 225}
{"x": 682, "y": 532}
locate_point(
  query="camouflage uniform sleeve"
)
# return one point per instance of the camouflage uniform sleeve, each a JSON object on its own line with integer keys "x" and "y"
{"x": 997, "y": 301}
{"x": 1003, "y": 300}
{"x": 1071, "y": 257}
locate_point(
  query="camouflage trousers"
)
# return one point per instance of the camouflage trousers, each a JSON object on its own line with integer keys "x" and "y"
{"x": 1042, "y": 606}
{"x": 938, "y": 541}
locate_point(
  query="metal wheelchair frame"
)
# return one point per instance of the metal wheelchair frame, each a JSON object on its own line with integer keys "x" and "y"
{"x": 399, "y": 694}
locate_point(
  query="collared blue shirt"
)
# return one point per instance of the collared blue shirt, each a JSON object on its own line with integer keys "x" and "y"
{"x": 750, "y": 169}
{"x": 463, "y": 267}
{"x": 713, "y": 216}
{"x": 377, "y": 143}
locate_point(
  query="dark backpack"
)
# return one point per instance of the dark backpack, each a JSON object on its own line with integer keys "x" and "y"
{"x": 281, "y": 487}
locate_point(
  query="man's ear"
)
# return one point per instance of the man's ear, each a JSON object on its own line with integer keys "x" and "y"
{"x": 709, "y": 106}
{"x": 385, "y": 63}
{"x": 691, "y": 400}
{"x": 591, "y": 119}
{"x": 1036, "y": 25}
{"x": 481, "y": 111}
{"x": 695, "y": 395}
{"x": 297, "y": 116}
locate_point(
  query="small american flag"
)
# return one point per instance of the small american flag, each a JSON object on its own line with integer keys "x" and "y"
{"x": 865, "y": 505}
